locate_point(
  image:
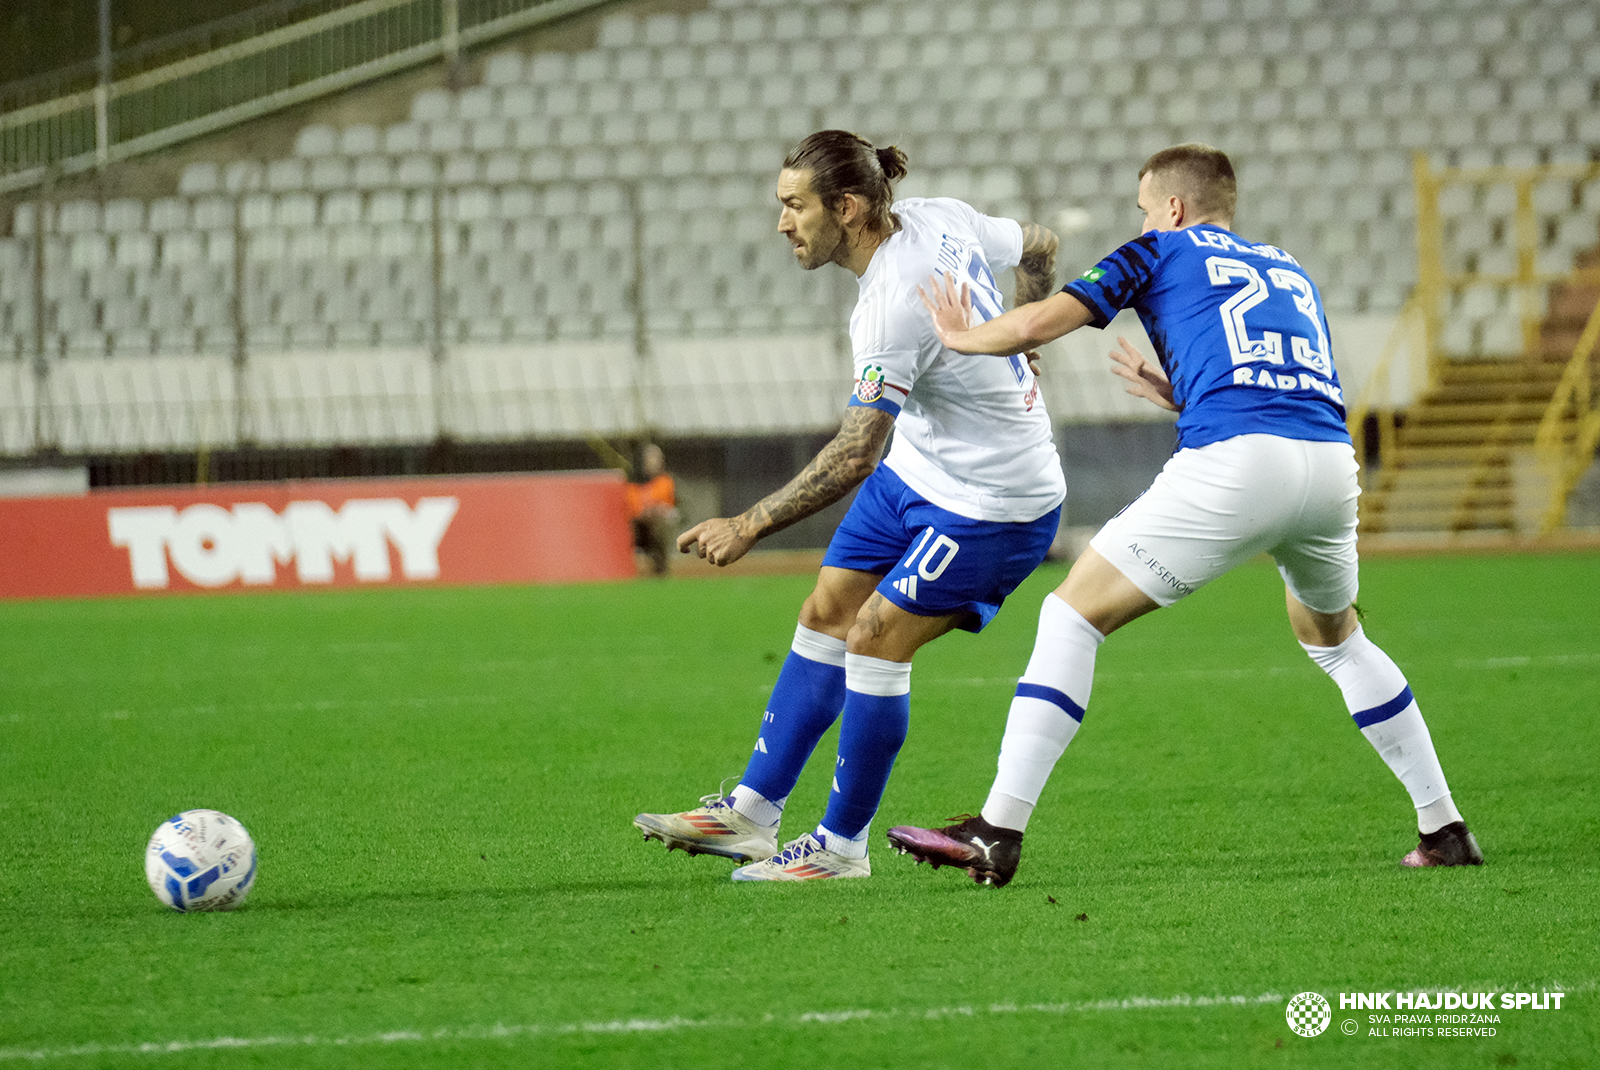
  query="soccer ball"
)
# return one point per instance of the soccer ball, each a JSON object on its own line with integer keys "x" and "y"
{"x": 201, "y": 860}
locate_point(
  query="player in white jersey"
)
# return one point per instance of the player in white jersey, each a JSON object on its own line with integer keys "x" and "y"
{"x": 1264, "y": 464}
{"x": 962, "y": 509}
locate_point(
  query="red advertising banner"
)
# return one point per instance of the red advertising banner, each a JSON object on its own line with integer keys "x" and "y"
{"x": 335, "y": 533}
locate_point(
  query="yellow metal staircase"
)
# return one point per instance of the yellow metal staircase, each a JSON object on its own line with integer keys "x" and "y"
{"x": 1489, "y": 444}
{"x": 1453, "y": 466}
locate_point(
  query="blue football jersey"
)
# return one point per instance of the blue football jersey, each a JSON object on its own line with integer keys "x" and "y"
{"x": 1238, "y": 328}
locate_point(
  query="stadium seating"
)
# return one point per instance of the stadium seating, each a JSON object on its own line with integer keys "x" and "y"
{"x": 1028, "y": 108}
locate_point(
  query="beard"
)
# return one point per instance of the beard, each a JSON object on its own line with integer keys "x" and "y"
{"x": 821, "y": 247}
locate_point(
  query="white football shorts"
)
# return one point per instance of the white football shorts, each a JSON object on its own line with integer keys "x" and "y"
{"x": 1217, "y": 506}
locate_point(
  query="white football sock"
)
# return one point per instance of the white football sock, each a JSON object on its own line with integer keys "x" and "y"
{"x": 1379, "y": 699}
{"x": 1045, "y": 714}
{"x": 1437, "y": 814}
{"x": 756, "y": 806}
{"x": 842, "y": 846}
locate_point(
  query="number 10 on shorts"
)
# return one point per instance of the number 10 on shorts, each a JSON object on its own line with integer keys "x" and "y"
{"x": 936, "y": 553}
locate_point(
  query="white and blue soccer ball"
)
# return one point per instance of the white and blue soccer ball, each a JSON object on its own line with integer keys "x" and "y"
{"x": 201, "y": 860}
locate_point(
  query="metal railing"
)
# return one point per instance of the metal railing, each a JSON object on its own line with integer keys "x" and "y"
{"x": 158, "y": 52}
{"x": 282, "y": 67}
{"x": 1575, "y": 409}
{"x": 1569, "y": 431}
{"x": 571, "y": 267}
{"x": 1443, "y": 274}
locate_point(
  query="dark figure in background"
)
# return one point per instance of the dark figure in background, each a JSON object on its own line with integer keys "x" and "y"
{"x": 653, "y": 505}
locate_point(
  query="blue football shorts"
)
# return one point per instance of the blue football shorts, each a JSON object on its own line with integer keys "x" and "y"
{"x": 936, "y": 563}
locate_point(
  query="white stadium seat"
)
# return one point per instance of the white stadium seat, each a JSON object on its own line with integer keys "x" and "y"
{"x": 200, "y": 177}
{"x": 461, "y": 167}
{"x": 518, "y": 101}
{"x": 329, "y": 173}
{"x": 503, "y": 167}
{"x": 124, "y": 214}
{"x": 475, "y": 102}
{"x": 316, "y": 140}
{"x": 549, "y": 68}
{"x": 341, "y": 207}
{"x": 287, "y": 174}
{"x": 1011, "y": 103}
{"x": 401, "y": 138}
{"x": 79, "y": 217}
{"x": 432, "y": 106}
{"x": 416, "y": 170}
{"x": 618, "y": 31}
{"x": 445, "y": 136}
{"x": 505, "y": 68}
{"x": 372, "y": 172}
{"x": 359, "y": 140}
{"x": 168, "y": 214}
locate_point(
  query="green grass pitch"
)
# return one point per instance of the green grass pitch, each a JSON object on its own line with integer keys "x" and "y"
{"x": 441, "y": 782}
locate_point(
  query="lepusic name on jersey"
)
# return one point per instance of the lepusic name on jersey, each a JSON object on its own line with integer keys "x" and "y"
{"x": 1216, "y": 239}
{"x": 212, "y": 546}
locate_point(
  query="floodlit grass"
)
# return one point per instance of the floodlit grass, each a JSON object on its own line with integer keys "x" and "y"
{"x": 441, "y": 782}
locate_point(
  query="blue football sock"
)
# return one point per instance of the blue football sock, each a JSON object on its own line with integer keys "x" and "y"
{"x": 805, "y": 702}
{"x": 877, "y": 713}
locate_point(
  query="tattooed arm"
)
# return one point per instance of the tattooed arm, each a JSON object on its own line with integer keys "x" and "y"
{"x": 843, "y": 463}
{"x": 1036, "y": 271}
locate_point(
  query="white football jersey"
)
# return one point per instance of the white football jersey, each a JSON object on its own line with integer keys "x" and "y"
{"x": 971, "y": 433}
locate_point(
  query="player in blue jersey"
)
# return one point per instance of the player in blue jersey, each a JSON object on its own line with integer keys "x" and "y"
{"x": 1264, "y": 464}
{"x": 961, "y": 510}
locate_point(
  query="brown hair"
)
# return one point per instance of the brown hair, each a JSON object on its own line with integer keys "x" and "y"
{"x": 1198, "y": 174}
{"x": 841, "y": 162}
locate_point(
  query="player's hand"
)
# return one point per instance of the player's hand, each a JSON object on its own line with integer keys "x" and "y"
{"x": 1146, "y": 380}
{"x": 951, "y": 310}
{"x": 1033, "y": 358}
{"x": 718, "y": 541}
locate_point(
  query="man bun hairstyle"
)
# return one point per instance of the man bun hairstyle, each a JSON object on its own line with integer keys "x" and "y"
{"x": 893, "y": 163}
{"x": 841, "y": 162}
{"x": 1201, "y": 176}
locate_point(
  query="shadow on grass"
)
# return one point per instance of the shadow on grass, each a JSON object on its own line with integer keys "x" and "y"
{"x": 435, "y": 896}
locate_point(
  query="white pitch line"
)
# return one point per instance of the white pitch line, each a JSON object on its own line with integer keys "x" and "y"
{"x": 1511, "y": 661}
{"x": 1517, "y": 661}
{"x": 623, "y": 1026}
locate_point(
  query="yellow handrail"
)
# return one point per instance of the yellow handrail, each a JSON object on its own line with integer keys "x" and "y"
{"x": 1431, "y": 279}
{"x": 1575, "y": 394}
{"x": 1569, "y": 430}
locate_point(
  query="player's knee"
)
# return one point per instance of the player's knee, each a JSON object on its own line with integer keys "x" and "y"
{"x": 878, "y": 635}
{"x": 823, "y": 612}
{"x": 863, "y": 639}
{"x": 1321, "y": 629}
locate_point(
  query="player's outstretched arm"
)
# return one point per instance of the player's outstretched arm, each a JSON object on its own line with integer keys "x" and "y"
{"x": 844, "y": 462}
{"x": 1036, "y": 271}
{"x": 1024, "y": 327}
{"x": 1145, "y": 379}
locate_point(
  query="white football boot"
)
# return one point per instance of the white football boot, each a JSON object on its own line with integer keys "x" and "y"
{"x": 713, "y": 829}
{"x": 805, "y": 859}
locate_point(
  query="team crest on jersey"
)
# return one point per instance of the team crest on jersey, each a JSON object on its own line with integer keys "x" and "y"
{"x": 869, "y": 386}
